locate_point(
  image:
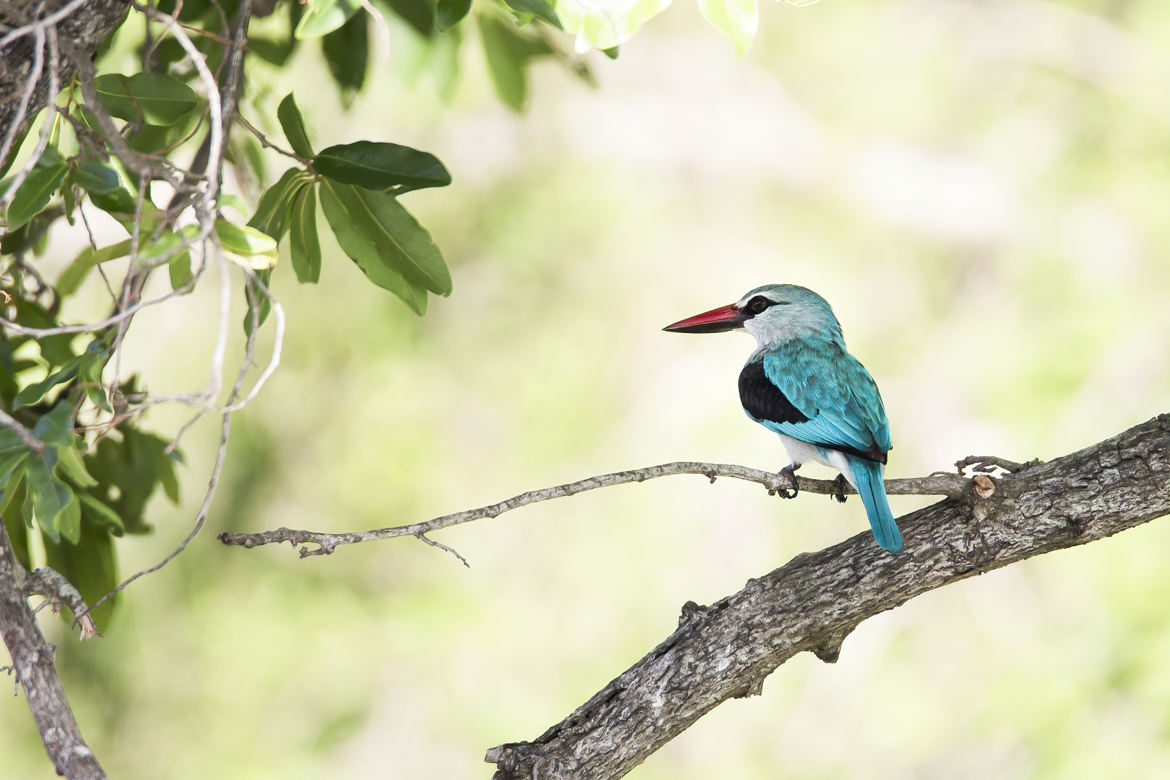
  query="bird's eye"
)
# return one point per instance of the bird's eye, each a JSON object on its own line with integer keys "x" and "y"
{"x": 758, "y": 304}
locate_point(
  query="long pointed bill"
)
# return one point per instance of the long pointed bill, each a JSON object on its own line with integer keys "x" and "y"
{"x": 714, "y": 321}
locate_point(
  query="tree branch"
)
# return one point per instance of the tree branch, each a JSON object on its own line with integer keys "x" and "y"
{"x": 933, "y": 485}
{"x": 84, "y": 25}
{"x": 32, "y": 659}
{"x": 814, "y": 601}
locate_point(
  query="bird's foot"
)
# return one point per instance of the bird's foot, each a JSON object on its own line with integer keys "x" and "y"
{"x": 839, "y": 494}
{"x": 788, "y": 474}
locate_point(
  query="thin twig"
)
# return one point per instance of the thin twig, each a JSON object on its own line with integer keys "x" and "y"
{"x": 951, "y": 485}
{"x": 26, "y": 436}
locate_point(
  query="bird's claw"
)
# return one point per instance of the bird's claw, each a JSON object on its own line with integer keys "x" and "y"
{"x": 839, "y": 493}
{"x": 788, "y": 474}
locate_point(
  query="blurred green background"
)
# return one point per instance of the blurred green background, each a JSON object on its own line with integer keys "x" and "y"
{"x": 981, "y": 190}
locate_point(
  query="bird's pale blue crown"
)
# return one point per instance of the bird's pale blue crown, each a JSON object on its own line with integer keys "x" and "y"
{"x": 782, "y": 312}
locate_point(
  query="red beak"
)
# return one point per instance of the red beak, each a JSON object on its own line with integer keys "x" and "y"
{"x": 714, "y": 321}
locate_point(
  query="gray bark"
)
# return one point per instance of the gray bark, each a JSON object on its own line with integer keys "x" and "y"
{"x": 32, "y": 660}
{"x": 813, "y": 602}
{"x": 86, "y": 29}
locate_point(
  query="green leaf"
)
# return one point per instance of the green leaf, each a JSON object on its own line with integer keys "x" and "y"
{"x": 275, "y": 52}
{"x": 75, "y": 273}
{"x": 153, "y": 98}
{"x": 538, "y": 8}
{"x": 101, "y": 514}
{"x": 508, "y": 52}
{"x": 94, "y": 177}
{"x": 92, "y": 362}
{"x": 12, "y": 498}
{"x": 128, "y": 471}
{"x": 11, "y": 462}
{"x": 325, "y": 16}
{"x": 36, "y": 189}
{"x": 117, "y": 202}
{"x": 273, "y": 210}
{"x": 70, "y": 464}
{"x": 612, "y": 52}
{"x": 248, "y": 243}
{"x": 737, "y": 19}
{"x": 362, "y": 239}
{"x": 56, "y": 427}
{"x": 449, "y": 13}
{"x": 293, "y": 126}
{"x": 404, "y": 243}
{"x": 179, "y": 270}
{"x": 380, "y": 165}
{"x": 49, "y": 495}
{"x": 33, "y": 393}
{"x": 419, "y": 14}
{"x": 259, "y": 304}
{"x": 347, "y": 53}
{"x": 305, "y": 248}
{"x": 69, "y": 521}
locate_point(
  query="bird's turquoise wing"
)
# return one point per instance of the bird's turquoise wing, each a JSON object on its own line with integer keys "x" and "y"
{"x": 834, "y": 392}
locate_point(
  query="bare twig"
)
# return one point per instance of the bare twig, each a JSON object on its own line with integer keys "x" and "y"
{"x": 935, "y": 485}
{"x": 51, "y": 584}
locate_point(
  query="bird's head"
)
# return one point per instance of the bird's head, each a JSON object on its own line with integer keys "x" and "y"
{"x": 773, "y": 314}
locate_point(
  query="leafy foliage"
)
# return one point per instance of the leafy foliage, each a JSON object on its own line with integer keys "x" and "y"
{"x": 94, "y": 469}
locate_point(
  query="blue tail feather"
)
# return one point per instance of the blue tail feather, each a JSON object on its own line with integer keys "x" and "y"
{"x": 872, "y": 490}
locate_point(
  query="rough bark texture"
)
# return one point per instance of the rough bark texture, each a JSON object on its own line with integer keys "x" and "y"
{"x": 813, "y": 602}
{"x": 86, "y": 28}
{"x": 32, "y": 659}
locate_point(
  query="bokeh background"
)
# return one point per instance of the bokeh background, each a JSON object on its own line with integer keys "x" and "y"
{"x": 981, "y": 189}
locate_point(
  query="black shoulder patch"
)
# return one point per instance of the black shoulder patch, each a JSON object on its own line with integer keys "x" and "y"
{"x": 762, "y": 399}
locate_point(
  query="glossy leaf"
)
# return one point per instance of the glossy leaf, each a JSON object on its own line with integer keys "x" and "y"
{"x": 361, "y": 238}
{"x": 273, "y": 210}
{"x": 347, "y": 53}
{"x": 404, "y": 243}
{"x": 33, "y": 393}
{"x": 259, "y": 304}
{"x": 102, "y": 514}
{"x": 70, "y": 464}
{"x": 95, "y": 177}
{"x": 56, "y": 427}
{"x": 179, "y": 270}
{"x": 304, "y": 248}
{"x": 248, "y": 243}
{"x": 449, "y": 13}
{"x": 380, "y": 165}
{"x": 538, "y": 8}
{"x": 89, "y": 370}
{"x": 737, "y": 19}
{"x": 293, "y": 126}
{"x": 153, "y": 98}
{"x": 34, "y": 192}
{"x": 508, "y": 52}
{"x": 129, "y": 471}
{"x": 49, "y": 495}
{"x": 325, "y": 16}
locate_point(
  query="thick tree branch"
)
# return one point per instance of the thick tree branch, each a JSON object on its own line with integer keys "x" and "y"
{"x": 84, "y": 25}
{"x": 933, "y": 485}
{"x": 32, "y": 660}
{"x": 814, "y": 601}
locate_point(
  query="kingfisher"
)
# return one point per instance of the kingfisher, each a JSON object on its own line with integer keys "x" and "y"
{"x": 802, "y": 384}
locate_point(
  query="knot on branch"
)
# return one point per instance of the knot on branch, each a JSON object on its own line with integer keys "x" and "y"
{"x": 691, "y": 612}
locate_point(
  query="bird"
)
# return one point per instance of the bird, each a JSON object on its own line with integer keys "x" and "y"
{"x": 802, "y": 384}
